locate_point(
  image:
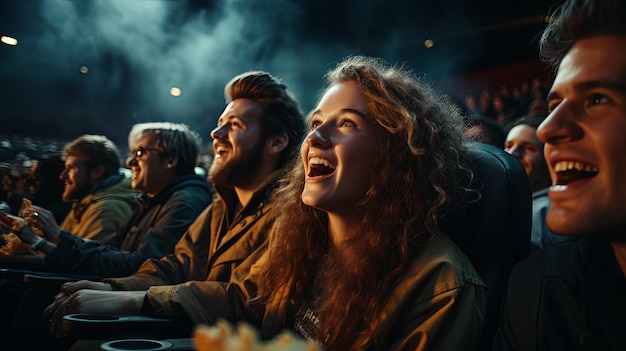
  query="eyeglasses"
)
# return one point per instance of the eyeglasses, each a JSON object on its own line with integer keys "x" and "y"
{"x": 140, "y": 152}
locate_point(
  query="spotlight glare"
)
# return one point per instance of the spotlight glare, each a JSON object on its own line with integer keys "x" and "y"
{"x": 8, "y": 40}
{"x": 174, "y": 91}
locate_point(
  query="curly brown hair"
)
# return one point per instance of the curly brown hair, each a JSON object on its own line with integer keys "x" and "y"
{"x": 414, "y": 178}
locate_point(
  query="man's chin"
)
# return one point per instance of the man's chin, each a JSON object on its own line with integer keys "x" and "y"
{"x": 69, "y": 197}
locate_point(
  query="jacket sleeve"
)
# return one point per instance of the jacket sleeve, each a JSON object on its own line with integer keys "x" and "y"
{"x": 451, "y": 320}
{"x": 78, "y": 256}
{"x": 207, "y": 301}
{"x": 188, "y": 262}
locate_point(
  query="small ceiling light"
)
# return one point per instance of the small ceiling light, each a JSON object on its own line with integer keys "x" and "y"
{"x": 8, "y": 40}
{"x": 429, "y": 43}
{"x": 174, "y": 91}
{"x": 84, "y": 69}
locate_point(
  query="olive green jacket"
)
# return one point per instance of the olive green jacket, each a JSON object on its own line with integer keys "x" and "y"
{"x": 99, "y": 215}
{"x": 439, "y": 305}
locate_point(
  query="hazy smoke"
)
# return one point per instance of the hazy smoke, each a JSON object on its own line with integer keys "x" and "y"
{"x": 136, "y": 50}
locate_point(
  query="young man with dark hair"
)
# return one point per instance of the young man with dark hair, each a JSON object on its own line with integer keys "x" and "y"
{"x": 571, "y": 296}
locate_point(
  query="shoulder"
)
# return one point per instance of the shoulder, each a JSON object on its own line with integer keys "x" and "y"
{"x": 119, "y": 191}
{"x": 443, "y": 266}
{"x": 191, "y": 189}
{"x": 550, "y": 272}
{"x": 554, "y": 260}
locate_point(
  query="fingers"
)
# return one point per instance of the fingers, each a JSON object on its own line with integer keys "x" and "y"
{"x": 64, "y": 307}
{"x": 59, "y": 299}
{"x": 72, "y": 287}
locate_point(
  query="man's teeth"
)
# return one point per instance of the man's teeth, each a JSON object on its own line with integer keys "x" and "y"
{"x": 321, "y": 161}
{"x": 571, "y": 165}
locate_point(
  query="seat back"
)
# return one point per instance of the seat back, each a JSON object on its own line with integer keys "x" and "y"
{"x": 493, "y": 229}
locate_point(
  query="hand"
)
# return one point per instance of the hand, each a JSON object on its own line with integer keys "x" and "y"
{"x": 68, "y": 289}
{"x": 55, "y": 312}
{"x": 95, "y": 302}
{"x": 45, "y": 218}
{"x": 27, "y": 235}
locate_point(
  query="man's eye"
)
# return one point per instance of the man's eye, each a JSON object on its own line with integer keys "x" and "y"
{"x": 553, "y": 104}
{"x": 597, "y": 99}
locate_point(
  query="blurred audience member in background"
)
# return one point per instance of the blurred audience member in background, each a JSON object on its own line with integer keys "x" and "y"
{"x": 46, "y": 187}
{"x": 523, "y": 143}
{"x": 14, "y": 191}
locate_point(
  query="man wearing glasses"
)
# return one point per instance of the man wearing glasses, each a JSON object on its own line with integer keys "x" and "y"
{"x": 162, "y": 162}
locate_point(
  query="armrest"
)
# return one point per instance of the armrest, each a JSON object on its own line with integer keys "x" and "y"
{"x": 27, "y": 262}
{"x": 13, "y": 273}
{"x": 102, "y": 326}
{"x": 44, "y": 280}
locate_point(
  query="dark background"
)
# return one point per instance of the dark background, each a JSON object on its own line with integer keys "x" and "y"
{"x": 136, "y": 50}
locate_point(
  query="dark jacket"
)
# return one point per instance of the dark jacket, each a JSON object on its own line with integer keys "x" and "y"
{"x": 151, "y": 232}
{"x": 569, "y": 296}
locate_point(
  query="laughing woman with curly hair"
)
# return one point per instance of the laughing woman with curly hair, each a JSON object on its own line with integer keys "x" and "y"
{"x": 358, "y": 261}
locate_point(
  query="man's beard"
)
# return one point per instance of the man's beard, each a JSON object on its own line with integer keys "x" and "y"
{"x": 72, "y": 194}
{"x": 237, "y": 169}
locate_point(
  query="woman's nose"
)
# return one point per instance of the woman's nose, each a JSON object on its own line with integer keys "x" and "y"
{"x": 317, "y": 139}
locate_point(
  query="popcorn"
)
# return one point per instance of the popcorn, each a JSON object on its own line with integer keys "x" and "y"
{"x": 222, "y": 337}
{"x": 13, "y": 246}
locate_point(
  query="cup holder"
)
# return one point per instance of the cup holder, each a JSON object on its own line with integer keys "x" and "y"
{"x": 93, "y": 317}
{"x": 136, "y": 345}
